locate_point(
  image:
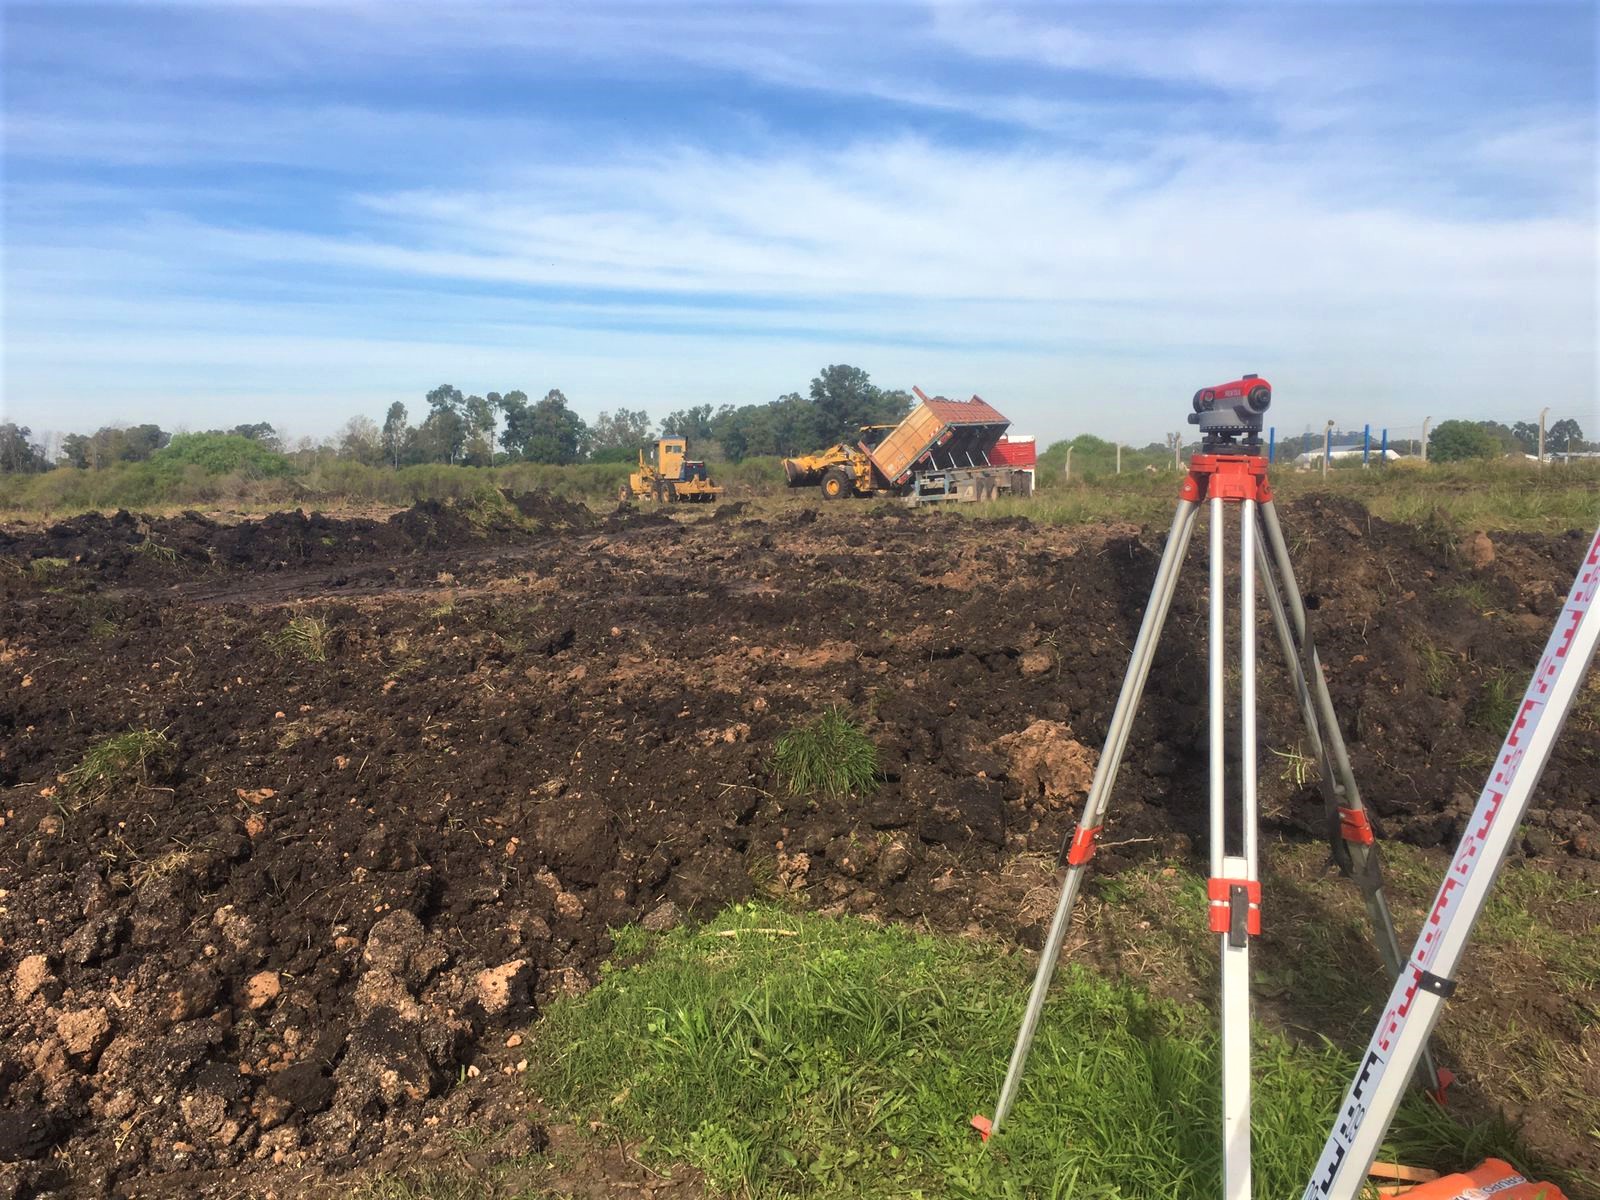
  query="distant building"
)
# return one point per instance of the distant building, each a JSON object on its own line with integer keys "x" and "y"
{"x": 1311, "y": 458}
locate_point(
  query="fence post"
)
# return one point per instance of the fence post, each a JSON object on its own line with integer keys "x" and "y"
{"x": 1366, "y": 445}
{"x": 1327, "y": 447}
{"x": 1272, "y": 444}
{"x": 1426, "y": 421}
{"x": 1383, "y": 450}
{"x": 1119, "y": 458}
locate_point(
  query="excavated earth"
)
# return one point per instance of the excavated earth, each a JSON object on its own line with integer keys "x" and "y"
{"x": 301, "y": 930}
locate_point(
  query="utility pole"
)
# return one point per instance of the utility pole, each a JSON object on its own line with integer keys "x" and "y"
{"x": 1426, "y": 421}
{"x": 1175, "y": 441}
{"x": 1067, "y": 473}
{"x": 1543, "y": 413}
{"x": 1119, "y": 458}
{"x": 1327, "y": 447}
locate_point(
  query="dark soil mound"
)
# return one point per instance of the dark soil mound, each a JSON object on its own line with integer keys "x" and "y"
{"x": 392, "y": 831}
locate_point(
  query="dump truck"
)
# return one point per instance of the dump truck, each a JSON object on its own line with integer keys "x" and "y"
{"x": 672, "y": 477}
{"x": 940, "y": 451}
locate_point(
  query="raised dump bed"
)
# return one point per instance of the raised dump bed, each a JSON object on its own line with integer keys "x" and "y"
{"x": 938, "y": 435}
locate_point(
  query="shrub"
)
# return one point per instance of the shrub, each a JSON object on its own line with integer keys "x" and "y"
{"x": 221, "y": 454}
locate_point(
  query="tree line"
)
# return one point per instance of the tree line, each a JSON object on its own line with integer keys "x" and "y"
{"x": 499, "y": 427}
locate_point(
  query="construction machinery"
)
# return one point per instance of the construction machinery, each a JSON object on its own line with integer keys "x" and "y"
{"x": 941, "y": 450}
{"x": 671, "y": 478}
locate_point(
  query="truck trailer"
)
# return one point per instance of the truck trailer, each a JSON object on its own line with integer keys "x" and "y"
{"x": 941, "y": 450}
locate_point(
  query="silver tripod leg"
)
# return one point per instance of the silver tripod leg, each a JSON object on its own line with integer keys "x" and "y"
{"x": 1235, "y": 885}
{"x": 1094, "y": 807}
{"x": 1357, "y": 859}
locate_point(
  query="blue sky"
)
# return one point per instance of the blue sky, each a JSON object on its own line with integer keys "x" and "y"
{"x": 218, "y": 213}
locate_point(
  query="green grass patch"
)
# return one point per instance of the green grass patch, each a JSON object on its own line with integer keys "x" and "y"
{"x": 1472, "y": 593}
{"x": 119, "y": 760}
{"x": 1437, "y": 667}
{"x": 828, "y": 756}
{"x": 785, "y": 1054}
{"x": 1497, "y": 703}
{"x": 305, "y": 637}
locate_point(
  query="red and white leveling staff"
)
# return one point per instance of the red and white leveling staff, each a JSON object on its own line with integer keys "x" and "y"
{"x": 1428, "y": 980}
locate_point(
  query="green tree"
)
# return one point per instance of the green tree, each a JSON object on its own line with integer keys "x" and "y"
{"x": 1457, "y": 441}
{"x": 546, "y": 432}
{"x": 621, "y": 430}
{"x": 514, "y": 425}
{"x": 139, "y": 442}
{"x": 480, "y": 414}
{"x": 443, "y": 435}
{"x": 361, "y": 440}
{"x": 692, "y": 423}
{"x": 1527, "y": 435}
{"x": 1564, "y": 436}
{"x": 394, "y": 433}
{"x": 76, "y": 449}
{"x": 1503, "y": 436}
{"x": 846, "y": 399}
{"x": 18, "y": 454}
{"x": 261, "y": 432}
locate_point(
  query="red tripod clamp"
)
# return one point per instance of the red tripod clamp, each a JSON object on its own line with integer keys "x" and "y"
{"x": 1231, "y": 477}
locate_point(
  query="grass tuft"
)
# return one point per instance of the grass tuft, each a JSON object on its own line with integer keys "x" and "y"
{"x": 304, "y": 637}
{"x": 1496, "y": 705}
{"x": 828, "y": 756}
{"x": 156, "y": 552}
{"x": 1437, "y": 667}
{"x": 787, "y": 1054}
{"x": 121, "y": 759}
{"x": 41, "y": 569}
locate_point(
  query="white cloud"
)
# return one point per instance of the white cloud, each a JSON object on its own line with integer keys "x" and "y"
{"x": 1387, "y": 262}
{"x": 1039, "y": 276}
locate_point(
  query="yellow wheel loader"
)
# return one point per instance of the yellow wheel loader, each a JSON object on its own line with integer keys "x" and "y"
{"x": 671, "y": 478}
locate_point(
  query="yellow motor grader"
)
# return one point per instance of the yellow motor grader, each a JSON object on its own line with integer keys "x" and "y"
{"x": 671, "y": 478}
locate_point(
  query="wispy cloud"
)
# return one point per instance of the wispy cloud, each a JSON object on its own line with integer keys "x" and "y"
{"x": 710, "y": 203}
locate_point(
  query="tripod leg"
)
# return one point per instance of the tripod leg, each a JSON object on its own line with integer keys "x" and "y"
{"x": 1234, "y": 889}
{"x": 1297, "y": 675}
{"x": 1081, "y": 846}
{"x": 1349, "y": 830}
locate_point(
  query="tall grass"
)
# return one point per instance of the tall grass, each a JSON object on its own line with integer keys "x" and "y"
{"x": 329, "y": 481}
{"x": 1494, "y": 497}
{"x": 1490, "y": 496}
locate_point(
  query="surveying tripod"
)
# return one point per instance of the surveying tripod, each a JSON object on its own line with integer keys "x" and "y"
{"x": 1230, "y": 473}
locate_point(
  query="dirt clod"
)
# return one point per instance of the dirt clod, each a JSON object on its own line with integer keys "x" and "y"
{"x": 501, "y": 988}
{"x": 261, "y": 989}
{"x": 32, "y": 976}
{"x": 84, "y": 1033}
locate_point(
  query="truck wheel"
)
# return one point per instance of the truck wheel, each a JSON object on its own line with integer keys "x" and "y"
{"x": 836, "y": 484}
